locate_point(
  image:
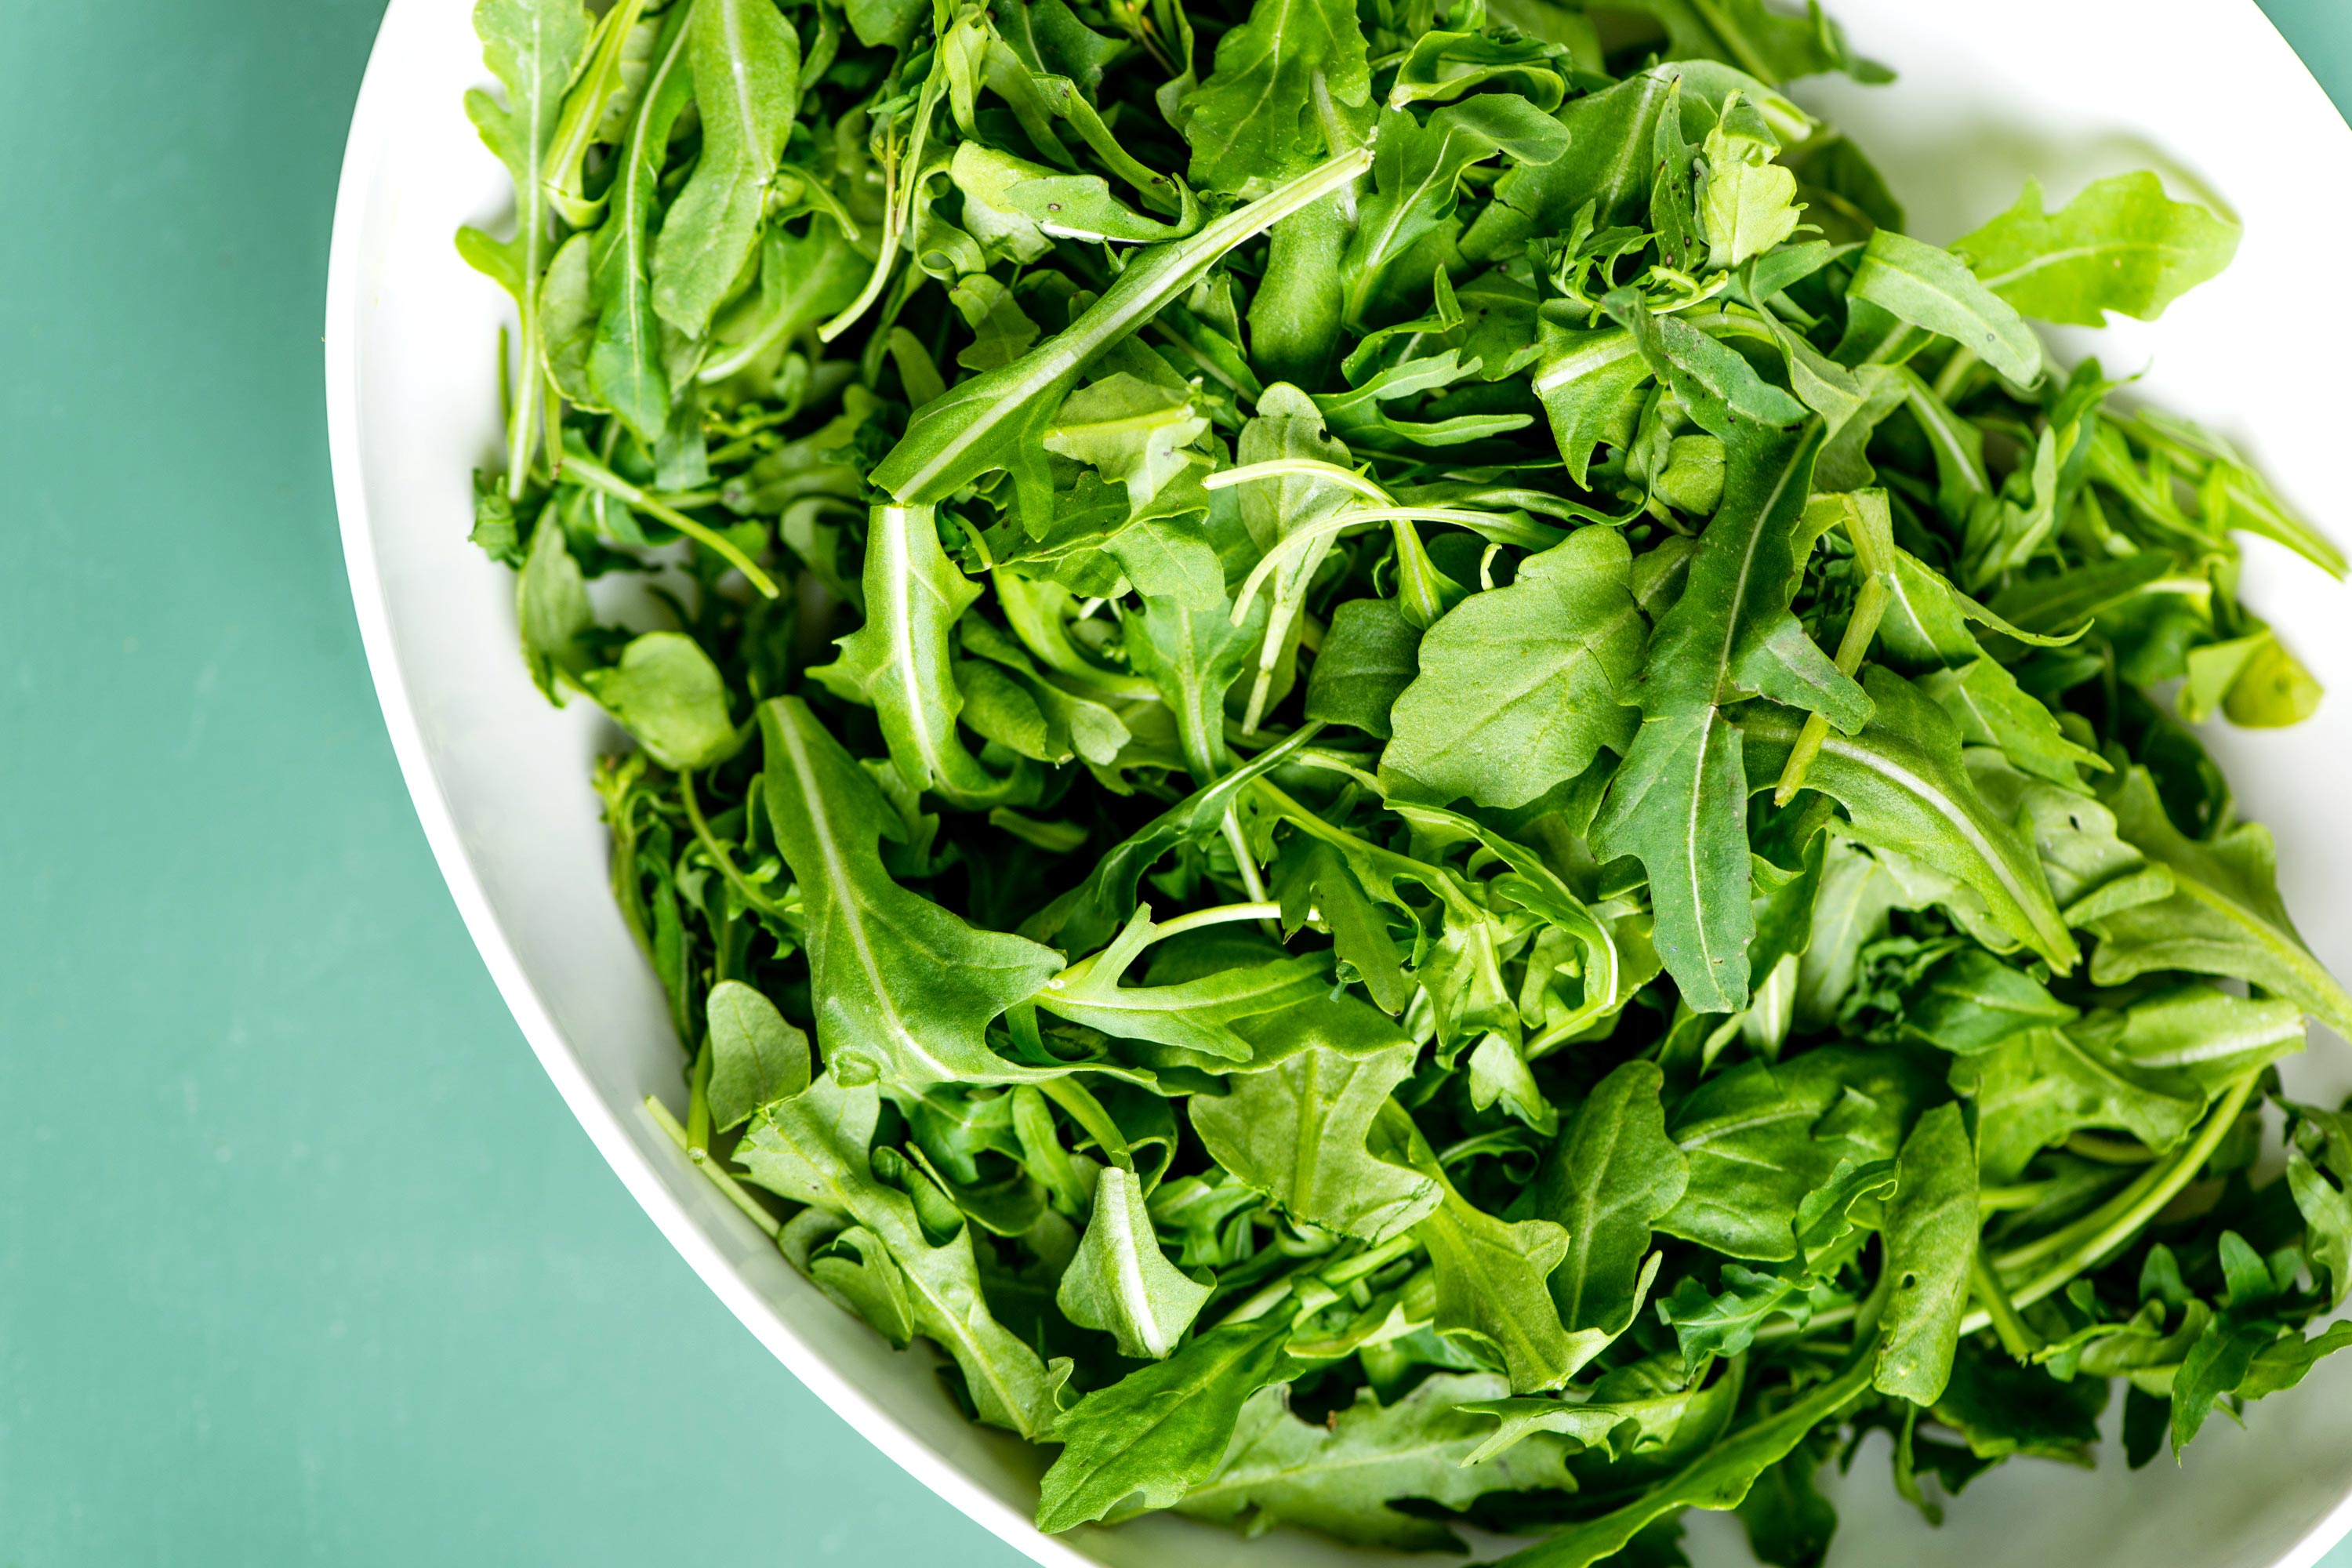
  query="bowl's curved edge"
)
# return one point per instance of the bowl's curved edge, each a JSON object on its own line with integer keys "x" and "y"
{"x": 371, "y": 130}
{"x": 2324, "y": 1536}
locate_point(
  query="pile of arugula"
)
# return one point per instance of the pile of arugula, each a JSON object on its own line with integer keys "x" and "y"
{"x": 1455, "y": 766}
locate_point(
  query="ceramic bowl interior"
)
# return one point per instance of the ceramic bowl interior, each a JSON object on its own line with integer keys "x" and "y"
{"x": 1991, "y": 92}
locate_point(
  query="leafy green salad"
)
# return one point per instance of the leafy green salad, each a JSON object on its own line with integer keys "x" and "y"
{"x": 1377, "y": 752}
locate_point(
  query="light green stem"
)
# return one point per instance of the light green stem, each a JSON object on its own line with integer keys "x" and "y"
{"x": 713, "y": 1168}
{"x": 2083, "y": 1244}
{"x": 711, "y": 847}
{"x": 1087, "y": 1111}
{"x": 2016, "y": 1337}
{"x": 596, "y": 475}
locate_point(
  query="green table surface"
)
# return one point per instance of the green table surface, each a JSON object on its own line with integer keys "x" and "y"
{"x": 301, "y": 1259}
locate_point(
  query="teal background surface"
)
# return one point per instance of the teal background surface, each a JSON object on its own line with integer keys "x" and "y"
{"x": 301, "y": 1259}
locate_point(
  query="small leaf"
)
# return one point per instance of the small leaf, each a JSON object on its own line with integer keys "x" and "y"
{"x": 1130, "y": 430}
{"x": 746, "y": 59}
{"x": 1369, "y": 656}
{"x": 1611, "y": 1174}
{"x": 668, "y": 693}
{"x": 1520, "y": 688}
{"x": 552, "y": 608}
{"x": 903, "y": 988}
{"x": 1339, "y": 1478}
{"x": 1934, "y": 289}
{"x": 756, "y": 1058}
{"x": 812, "y": 1149}
{"x": 1296, "y": 1132}
{"x": 2225, "y": 917}
{"x": 1121, "y": 1281}
{"x": 1931, "y": 1237}
{"x": 1490, "y": 1272}
{"x": 2121, "y": 245}
{"x": 1720, "y": 1477}
{"x": 899, "y": 662}
{"x": 1157, "y": 1433}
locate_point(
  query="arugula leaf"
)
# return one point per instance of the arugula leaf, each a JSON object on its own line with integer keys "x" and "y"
{"x": 1607, "y": 162}
{"x": 1905, "y": 789}
{"x": 668, "y": 693}
{"x": 904, "y": 989}
{"x": 1289, "y": 428}
{"x": 1759, "y": 1138}
{"x": 551, "y": 610}
{"x": 2223, "y": 916}
{"x": 1678, "y": 802}
{"x": 625, "y": 363}
{"x": 1491, "y": 1273}
{"x": 1194, "y": 1016}
{"x": 1718, "y": 1478}
{"x": 757, "y": 1057}
{"x": 1931, "y": 1240}
{"x": 1934, "y": 289}
{"x": 1254, "y": 122}
{"x": 812, "y": 1148}
{"x": 2121, "y": 245}
{"x": 1748, "y": 205}
{"x": 1157, "y": 1433}
{"x": 532, "y": 46}
{"x": 1984, "y": 699}
{"x": 746, "y": 59}
{"x": 987, "y": 422}
{"x": 1193, "y": 657}
{"x": 1296, "y": 1131}
{"x": 1543, "y": 667}
{"x": 1130, "y": 430}
{"x": 1417, "y": 169}
{"x": 1121, "y": 1280}
{"x": 1611, "y": 1174}
{"x": 1338, "y": 1479}
{"x": 1971, "y": 1002}
{"x": 898, "y": 662}
{"x": 2319, "y": 1166}
{"x": 1370, "y": 658}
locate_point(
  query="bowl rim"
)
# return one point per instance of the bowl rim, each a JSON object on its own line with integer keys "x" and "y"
{"x": 371, "y": 131}
{"x": 373, "y": 126}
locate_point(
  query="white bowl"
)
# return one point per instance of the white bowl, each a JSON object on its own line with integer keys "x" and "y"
{"x": 1993, "y": 92}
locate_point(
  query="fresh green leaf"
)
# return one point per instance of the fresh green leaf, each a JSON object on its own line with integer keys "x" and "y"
{"x": 1254, "y": 122}
{"x": 1338, "y": 1478}
{"x": 746, "y": 58}
{"x": 812, "y": 1148}
{"x": 668, "y": 693}
{"x": 1678, "y": 802}
{"x": 1718, "y": 1478}
{"x": 1121, "y": 1281}
{"x": 1905, "y": 789}
{"x": 1296, "y": 1132}
{"x": 532, "y": 46}
{"x": 898, "y": 661}
{"x": 904, "y": 989}
{"x": 2223, "y": 916}
{"x": 1541, "y": 669}
{"x": 1931, "y": 1240}
{"x": 1934, "y": 289}
{"x": 1759, "y": 1138}
{"x": 1157, "y": 1433}
{"x": 2121, "y": 245}
{"x": 756, "y": 1057}
{"x": 1608, "y": 1177}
